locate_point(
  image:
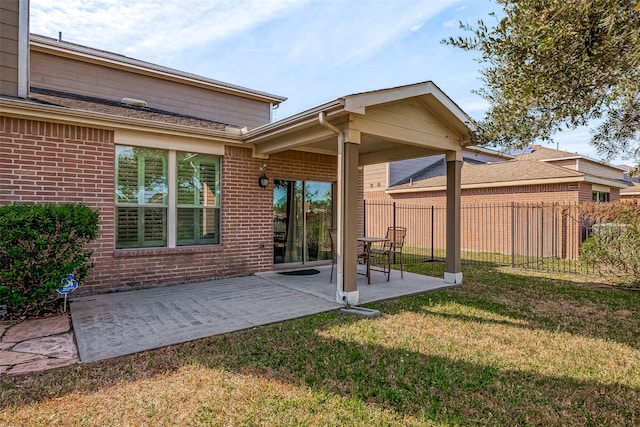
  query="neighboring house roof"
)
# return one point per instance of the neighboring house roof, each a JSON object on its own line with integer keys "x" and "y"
{"x": 504, "y": 174}
{"x": 433, "y": 170}
{"x": 545, "y": 154}
{"x": 632, "y": 190}
{"x": 538, "y": 152}
{"x": 113, "y": 108}
{"x": 114, "y": 60}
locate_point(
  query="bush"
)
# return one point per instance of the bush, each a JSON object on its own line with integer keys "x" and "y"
{"x": 614, "y": 246}
{"x": 40, "y": 245}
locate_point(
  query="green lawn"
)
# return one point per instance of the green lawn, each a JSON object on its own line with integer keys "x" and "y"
{"x": 504, "y": 349}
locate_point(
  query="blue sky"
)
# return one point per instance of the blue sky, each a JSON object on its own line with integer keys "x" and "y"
{"x": 310, "y": 51}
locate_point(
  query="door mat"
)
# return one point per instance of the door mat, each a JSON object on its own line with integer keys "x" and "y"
{"x": 308, "y": 272}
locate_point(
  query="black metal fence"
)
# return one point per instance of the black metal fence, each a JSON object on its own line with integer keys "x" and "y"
{"x": 536, "y": 236}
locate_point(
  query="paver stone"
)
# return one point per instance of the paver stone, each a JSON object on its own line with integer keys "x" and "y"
{"x": 37, "y": 328}
{"x": 8, "y": 358}
{"x": 59, "y": 346}
{"x": 39, "y": 365}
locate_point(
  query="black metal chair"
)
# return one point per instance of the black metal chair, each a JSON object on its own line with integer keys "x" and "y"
{"x": 391, "y": 251}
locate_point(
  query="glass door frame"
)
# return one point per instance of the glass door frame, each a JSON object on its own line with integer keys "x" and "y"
{"x": 291, "y": 247}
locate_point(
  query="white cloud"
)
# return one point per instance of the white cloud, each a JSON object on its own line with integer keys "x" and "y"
{"x": 152, "y": 28}
{"x": 450, "y": 23}
{"x": 308, "y": 50}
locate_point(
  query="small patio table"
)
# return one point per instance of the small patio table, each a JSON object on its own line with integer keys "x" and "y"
{"x": 368, "y": 241}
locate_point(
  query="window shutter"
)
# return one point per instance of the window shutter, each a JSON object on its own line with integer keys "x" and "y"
{"x": 127, "y": 180}
{"x": 155, "y": 187}
{"x": 127, "y": 227}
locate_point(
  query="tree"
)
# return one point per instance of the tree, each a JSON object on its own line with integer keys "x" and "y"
{"x": 560, "y": 64}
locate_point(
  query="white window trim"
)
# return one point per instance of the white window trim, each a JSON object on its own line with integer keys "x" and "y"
{"x": 172, "y": 220}
{"x": 167, "y": 142}
{"x": 171, "y": 146}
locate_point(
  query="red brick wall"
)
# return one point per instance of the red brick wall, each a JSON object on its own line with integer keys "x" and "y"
{"x": 46, "y": 163}
{"x": 246, "y": 226}
{"x": 54, "y": 163}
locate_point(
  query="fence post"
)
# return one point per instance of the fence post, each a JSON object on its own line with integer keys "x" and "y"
{"x": 394, "y": 227}
{"x": 432, "y": 229}
{"x": 364, "y": 217}
{"x": 513, "y": 235}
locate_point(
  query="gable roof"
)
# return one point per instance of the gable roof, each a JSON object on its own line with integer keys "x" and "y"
{"x": 380, "y": 121}
{"x": 504, "y": 174}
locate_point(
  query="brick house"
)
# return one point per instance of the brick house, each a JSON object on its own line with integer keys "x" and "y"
{"x": 512, "y": 203}
{"x": 533, "y": 175}
{"x": 174, "y": 161}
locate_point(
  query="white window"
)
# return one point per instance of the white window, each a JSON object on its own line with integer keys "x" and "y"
{"x": 166, "y": 198}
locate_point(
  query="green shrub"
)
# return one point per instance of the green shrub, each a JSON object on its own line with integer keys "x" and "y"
{"x": 39, "y": 245}
{"x": 614, "y": 248}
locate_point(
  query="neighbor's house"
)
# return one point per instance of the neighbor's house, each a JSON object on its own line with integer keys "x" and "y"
{"x": 173, "y": 161}
{"x": 534, "y": 175}
{"x": 631, "y": 193}
{"x": 515, "y": 204}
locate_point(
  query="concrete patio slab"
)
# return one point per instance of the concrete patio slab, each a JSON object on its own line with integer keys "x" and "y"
{"x": 117, "y": 324}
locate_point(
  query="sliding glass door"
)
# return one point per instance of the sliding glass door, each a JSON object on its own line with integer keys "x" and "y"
{"x": 302, "y": 215}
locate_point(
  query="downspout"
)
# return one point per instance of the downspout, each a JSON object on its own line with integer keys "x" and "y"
{"x": 340, "y": 295}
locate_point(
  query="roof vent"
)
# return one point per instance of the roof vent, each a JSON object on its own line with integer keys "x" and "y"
{"x": 133, "y": 102}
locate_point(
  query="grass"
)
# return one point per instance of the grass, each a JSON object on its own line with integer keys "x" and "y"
{"x": 504, "y": 349}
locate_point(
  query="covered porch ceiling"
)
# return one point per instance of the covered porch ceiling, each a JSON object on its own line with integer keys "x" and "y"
{"x": 388, "y": 125}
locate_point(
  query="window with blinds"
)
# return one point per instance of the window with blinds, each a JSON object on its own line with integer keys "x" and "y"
{"x": 141, "y": 197}
{"x": 197, "y": 199}
{"x": 144, "y": 206}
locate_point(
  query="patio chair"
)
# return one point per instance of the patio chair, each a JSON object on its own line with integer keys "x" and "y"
{"x": 391, "y": 250}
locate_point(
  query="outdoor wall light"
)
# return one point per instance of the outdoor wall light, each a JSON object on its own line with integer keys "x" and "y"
{"x": 263, "y": 181}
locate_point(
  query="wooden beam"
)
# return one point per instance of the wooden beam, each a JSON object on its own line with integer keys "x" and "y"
{"x": 396, "y": 153}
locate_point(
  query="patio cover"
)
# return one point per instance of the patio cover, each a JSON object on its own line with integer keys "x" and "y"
{"x": 374, "y": 127}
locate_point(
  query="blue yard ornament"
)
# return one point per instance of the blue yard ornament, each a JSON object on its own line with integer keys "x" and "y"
{"x": 69, "y": 284}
